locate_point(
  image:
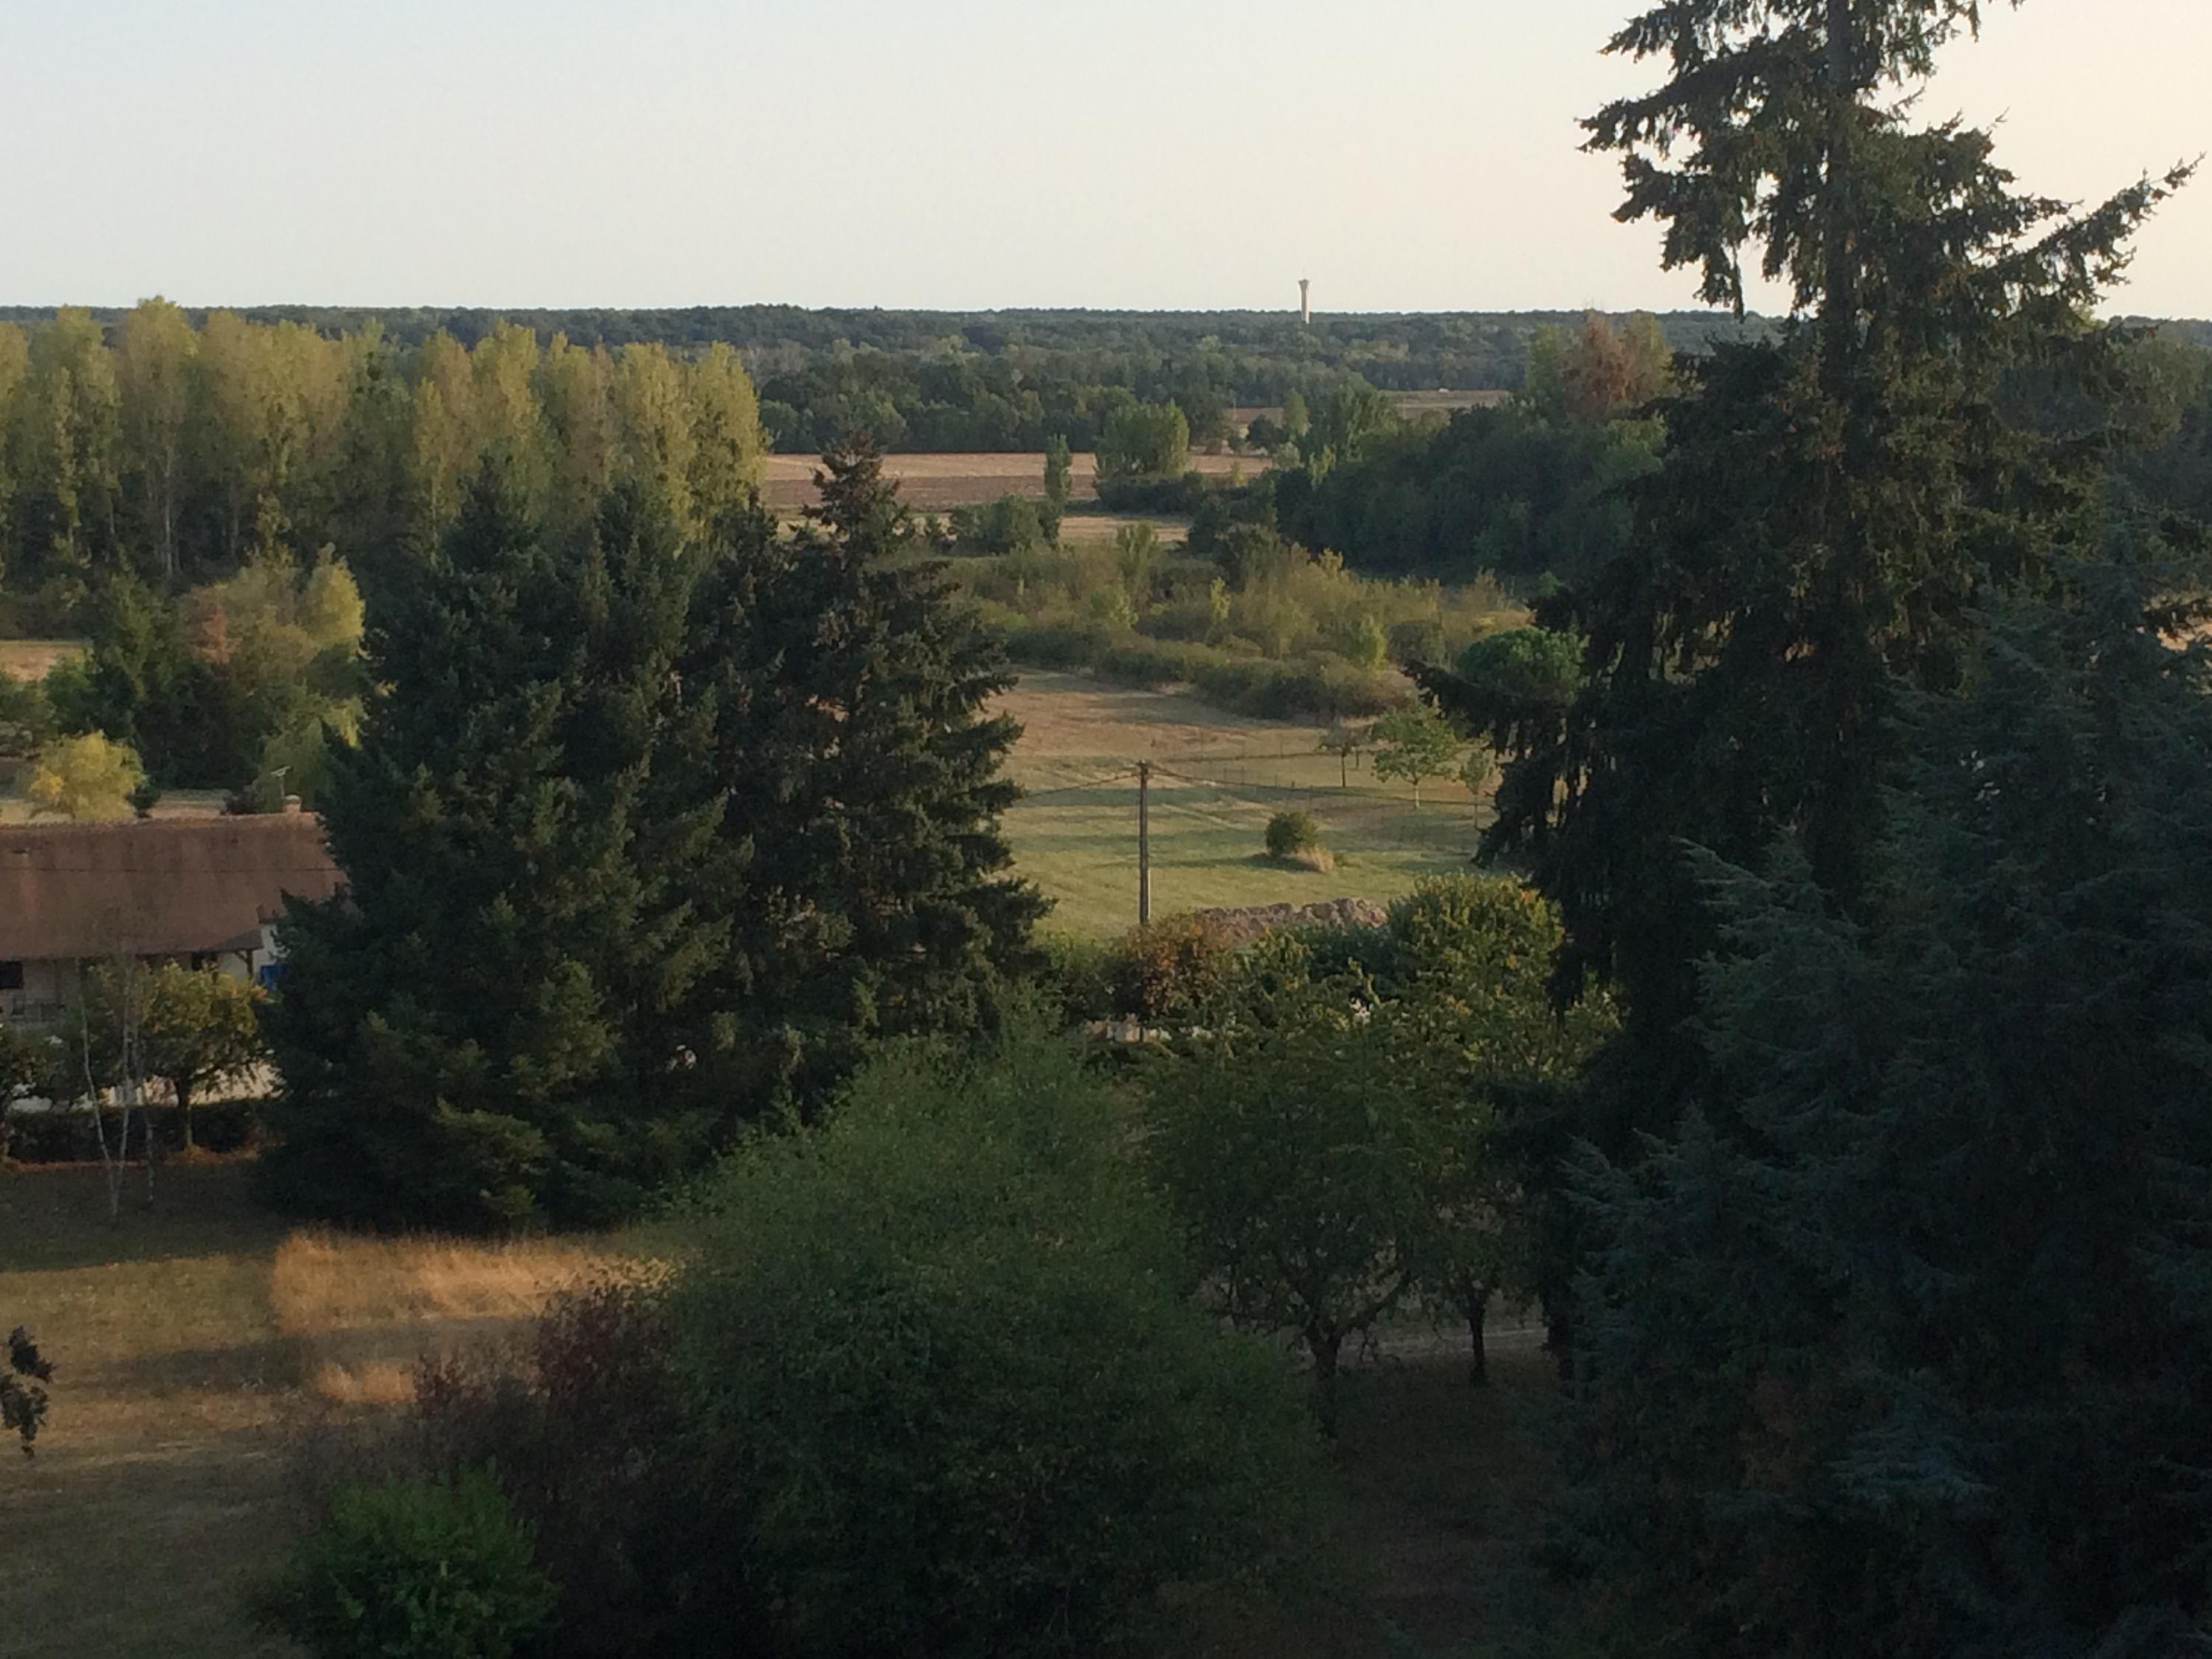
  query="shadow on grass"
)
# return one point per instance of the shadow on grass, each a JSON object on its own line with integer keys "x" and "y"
{"x": 55, "y": 1216}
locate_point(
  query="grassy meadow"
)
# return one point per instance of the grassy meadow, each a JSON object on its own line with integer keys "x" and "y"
{"x": 1218, "y": 778}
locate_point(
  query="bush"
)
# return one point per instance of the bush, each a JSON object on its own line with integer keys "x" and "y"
{"x": 1113, "y": 607}
{"x": 1292, "y": 832}
{"x": 1058, "y": 644}
{"x": 223, "y": 1126}
{"x": 945, "y": 1342}
{"x": 1153, "y": 662}
{"x": 1011, "y": 524}
{"x": 1179, "y": 496}
{"x": 581, "y": 1427}
{"x": 414, "y": 1569}
{"x": 1077, "y": 979}
{"x": 1170, "y": 970}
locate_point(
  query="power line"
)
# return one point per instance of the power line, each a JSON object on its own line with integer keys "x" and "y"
{"x": 1029, "y": 795}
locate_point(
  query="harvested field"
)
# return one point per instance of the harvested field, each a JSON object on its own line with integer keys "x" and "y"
{"x": 934, "y": 483}
{"x": 31, "y": 659}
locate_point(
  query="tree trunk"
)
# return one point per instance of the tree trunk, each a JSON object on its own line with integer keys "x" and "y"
{"x": 1325, "y": 1346}
{"x": 1478, "y": 1313}
{"x": 184, "y": 1089}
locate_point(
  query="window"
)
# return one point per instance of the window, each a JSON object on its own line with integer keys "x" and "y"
{"x": 11, "y": 975}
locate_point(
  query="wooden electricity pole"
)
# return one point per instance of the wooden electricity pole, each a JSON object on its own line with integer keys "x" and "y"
{"x": 1144, "y": 843}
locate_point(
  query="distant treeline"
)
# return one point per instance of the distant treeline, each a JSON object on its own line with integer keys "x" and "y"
{"x": 1407, "y": 351}
{"x": 169, "y": 451}
{"x": 1012, "y": 381}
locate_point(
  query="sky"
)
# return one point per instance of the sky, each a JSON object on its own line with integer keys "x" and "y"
{"x": 1406, "y": 154}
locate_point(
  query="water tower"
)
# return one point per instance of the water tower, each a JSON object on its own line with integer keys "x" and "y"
{"x": 1305, "y": 301}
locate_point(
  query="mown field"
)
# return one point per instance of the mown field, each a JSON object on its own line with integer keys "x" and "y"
{"x": 934, "y": 483}
{"x": 1217, "y": 778}
{"x": 200, "y": 1344}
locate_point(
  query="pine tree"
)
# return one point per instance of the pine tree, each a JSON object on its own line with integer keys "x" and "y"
{"x": 852, "y": 730}
{"x": 1914, "y": 1358}
{"x": 641, "y": 840}
{"x": 1834, "y": 504}
{"x": 486, "y": 1028}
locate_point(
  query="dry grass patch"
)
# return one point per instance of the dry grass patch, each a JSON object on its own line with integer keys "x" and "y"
{"x": 367, "y": 1311}
{"x": 190, "y": 1341}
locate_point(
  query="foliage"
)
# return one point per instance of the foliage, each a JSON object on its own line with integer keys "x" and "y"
{"x": 1836, "y": 507}
{"x": 1292, "y": 832}
{"x": 1344, "y": 740}
{"x": 1011, "y": 524}
{"x": 22, "y": 1390}
{"x": 1170, "y": 971}
{"x": 1904, "y": 1330}
{"x": 1195, "y": 631}
{"x": 204, "y": 687}
{"x": 641, "y": 838}
{"x": 195, "y": 1029}
{"x": 1599, "y": 373}
{"x": 1144, "y": 441}
{"x": 1474, "y": 954}
{"x": 1534, "y": 667}
{"x": 25, "y": 1064}
{"x": 1479, "y": 769}
{"x": 1415, "y": 743}
{"x": 1496, "y": 489}
{"x": 1058, "y": 486}
{"x": 85, "y": 777}
{"x": 580, "y": 1426}
{"x": 989, "y": 1419}
{"x": 414, "y": 1570}
{"x": 477, "y": 1032}
{"x": 1281, "y": 1139}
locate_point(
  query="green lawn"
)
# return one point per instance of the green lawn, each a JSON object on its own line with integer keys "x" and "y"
{"x": 1217, "y": 778}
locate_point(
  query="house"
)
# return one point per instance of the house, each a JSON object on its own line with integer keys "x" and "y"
{"x": 199, "y": 890}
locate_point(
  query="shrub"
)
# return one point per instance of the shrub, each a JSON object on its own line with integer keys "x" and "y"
{"x": 1181, "y": 495}
{"x": 1077, "y": 979}
{"x": 945, "y": 1342}
{"x": 1292, "y": 832}
{"x": 1011, "y": 524}
{"x": 580, "y": 1425}
{"x": 1417, "y": 639}
{"x": 1172, "y": 969}
{"x": 1057, "y": 644}
{"x": 22, "y": 1388}
{"x": 1113, "y": 607}
{"x": 414, "y": 1569}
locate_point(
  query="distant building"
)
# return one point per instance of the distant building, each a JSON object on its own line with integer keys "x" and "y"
{"x": 1305, "y": 301}
{"x": 201, "y": 891}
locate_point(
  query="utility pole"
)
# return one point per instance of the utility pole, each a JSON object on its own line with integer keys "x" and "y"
{"x": 1144, "y": 843}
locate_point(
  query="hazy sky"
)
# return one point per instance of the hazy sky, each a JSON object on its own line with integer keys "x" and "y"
{"x": 1409, "y": 154}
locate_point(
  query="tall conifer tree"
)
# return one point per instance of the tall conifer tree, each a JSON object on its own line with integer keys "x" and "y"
{"x": 854, "y": 733}
{"x": 1834, "y": 504}
{"x": 1911, "y": 1352}
{"x": 484, "y": 1029}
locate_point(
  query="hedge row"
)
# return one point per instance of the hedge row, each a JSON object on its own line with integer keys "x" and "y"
{"x": 1320, "y": 685}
